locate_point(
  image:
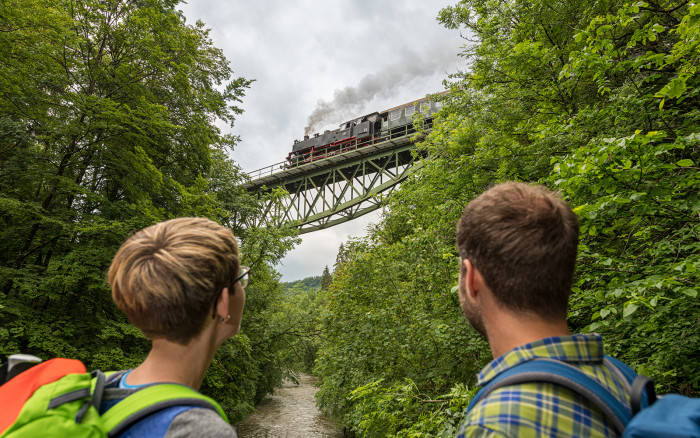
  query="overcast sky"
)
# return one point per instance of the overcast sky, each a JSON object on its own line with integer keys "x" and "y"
{"x": 324, "y": 61}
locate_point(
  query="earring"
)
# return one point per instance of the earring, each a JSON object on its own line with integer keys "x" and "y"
{"x": 226, "y": 319}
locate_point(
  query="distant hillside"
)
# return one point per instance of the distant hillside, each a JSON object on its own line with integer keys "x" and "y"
{"x": 306, "y": 283}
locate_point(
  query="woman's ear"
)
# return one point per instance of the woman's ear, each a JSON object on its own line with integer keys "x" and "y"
{"x": 222, "y": 303}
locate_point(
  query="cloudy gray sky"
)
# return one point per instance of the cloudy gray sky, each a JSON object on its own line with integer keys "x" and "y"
{"x": 317, "y": 63}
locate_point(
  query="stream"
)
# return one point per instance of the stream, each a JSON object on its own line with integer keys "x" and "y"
{"x": 290, "y": 413}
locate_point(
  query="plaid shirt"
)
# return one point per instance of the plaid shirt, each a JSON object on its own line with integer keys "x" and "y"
{"x": 544, "y": 409}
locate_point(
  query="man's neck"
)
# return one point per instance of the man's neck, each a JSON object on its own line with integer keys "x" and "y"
{"x": 507, "y": 330}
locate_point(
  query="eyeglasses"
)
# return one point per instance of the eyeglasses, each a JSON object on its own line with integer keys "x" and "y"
{"x": 243, "y": 277}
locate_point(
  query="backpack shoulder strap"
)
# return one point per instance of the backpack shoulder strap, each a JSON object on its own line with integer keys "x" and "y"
{"x": 151, "y": 399}
{"x": 560, "y": 373}
{"x": 640, "y": 388}
{"x": 622, "y": 369}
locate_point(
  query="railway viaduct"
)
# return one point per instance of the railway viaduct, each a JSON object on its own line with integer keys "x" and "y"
{"x": 333, "y": 189}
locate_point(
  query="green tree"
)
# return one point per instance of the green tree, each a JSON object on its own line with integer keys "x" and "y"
{"x": 299, "y": 328}
{"x": 108, "y": 116}
{"x": 326, "y": 279}
{"x": 637, "y": 193}
{"x": 598, "y": 100}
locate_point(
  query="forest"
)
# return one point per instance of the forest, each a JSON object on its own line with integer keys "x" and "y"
{"x": 108, "y": 116}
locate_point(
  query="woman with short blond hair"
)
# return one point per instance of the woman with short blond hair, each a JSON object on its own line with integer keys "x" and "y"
{"x": 180, "y": 282}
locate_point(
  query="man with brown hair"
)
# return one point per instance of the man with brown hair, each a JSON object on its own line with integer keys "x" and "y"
{"x": 517, "y": 244}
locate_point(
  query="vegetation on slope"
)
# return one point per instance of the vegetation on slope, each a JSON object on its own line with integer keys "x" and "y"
{"x": 599, "y": 101}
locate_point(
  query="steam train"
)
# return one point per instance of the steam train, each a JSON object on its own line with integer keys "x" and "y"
{"x": 362, "y": 131}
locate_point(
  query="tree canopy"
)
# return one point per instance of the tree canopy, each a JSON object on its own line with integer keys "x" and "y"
{"x": 108, "y": 116}
{"x": 596, "y": 100}
{"x": 108, "y": 123}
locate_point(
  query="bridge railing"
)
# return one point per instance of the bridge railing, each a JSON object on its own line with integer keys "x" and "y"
{"x": 267, "y": 170}
{"x": 339, "y": 148}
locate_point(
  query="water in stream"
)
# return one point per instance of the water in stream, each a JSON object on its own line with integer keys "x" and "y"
{"x": 290, "y": 413}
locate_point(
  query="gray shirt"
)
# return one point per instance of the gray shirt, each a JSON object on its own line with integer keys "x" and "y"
{"x": 200, "y": 422}
{"x": 193, "y": 422}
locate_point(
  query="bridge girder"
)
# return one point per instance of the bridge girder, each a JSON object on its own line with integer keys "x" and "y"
{"x": 339, "y": 188}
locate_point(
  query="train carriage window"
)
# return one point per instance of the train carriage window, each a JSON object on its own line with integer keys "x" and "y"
{"x": 410, "y": 110}
{"x": 395, "y": 115}
{"x": 438, "y": 104}
{"x": 425, "y": 107}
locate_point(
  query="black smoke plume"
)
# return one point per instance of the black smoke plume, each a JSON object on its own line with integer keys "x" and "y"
{"x": 349, "y": 102}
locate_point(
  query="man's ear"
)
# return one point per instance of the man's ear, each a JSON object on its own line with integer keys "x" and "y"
{"x": 222, "y": 303}
{"x": 472, "y": 280}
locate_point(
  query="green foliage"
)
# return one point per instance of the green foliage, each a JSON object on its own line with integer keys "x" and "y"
{"x": 107, "y": 125}
{"x": 297, "y": 328}
{"x": 389, "y": 315}
{"x": 300, "y": 331}
{"x": 326, "y": 279}
{"x": 598, "y": 100}
{"x": 639, "y": 262}
{"x": 305, "y": 283}
{"x": 402, "y": 411}
{"x": 635, "y": 188}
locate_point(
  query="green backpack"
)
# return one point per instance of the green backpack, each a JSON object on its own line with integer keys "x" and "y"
{"x": 60, "y": 398}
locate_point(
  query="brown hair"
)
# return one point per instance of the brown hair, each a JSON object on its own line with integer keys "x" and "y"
{"x": 523, "y": 240}
{"x": 167, "y": 277}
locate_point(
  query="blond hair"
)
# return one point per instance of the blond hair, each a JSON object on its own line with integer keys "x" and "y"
{"x": 166, "y": 278}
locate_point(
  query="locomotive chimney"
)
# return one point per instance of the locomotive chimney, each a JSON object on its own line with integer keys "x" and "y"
{"x": 306, "y": 137}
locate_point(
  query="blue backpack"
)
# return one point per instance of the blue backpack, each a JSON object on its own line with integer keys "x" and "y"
{"x": 672, "y": 415}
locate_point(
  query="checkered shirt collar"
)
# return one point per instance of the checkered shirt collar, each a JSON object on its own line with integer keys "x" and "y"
{"x": 580, "y": 348}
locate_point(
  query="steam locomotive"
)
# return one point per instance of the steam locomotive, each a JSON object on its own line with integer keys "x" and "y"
{"x": 362, "y": 131}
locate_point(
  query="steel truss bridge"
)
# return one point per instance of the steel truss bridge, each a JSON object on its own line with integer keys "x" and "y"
{"x": 339, "y": 186}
